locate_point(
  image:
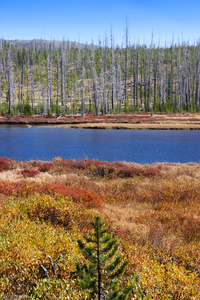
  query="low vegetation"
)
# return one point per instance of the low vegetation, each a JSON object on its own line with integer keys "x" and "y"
{"x": 46, "y": 207}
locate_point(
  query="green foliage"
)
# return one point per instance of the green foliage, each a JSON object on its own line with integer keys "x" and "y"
{"x": 54, "y": 288}
{"x": 4, "y": 108}
{"x": 16, "y": 110}
{"x": 54, "y": 107}
{"x": 50, "y": 114}
{"x": 3, "y": 86}
{"x": 27, "y": 108}
{"x": 100, "y": 275}
{"x": 76, "y": 107}
{"x": 90, "y": 109}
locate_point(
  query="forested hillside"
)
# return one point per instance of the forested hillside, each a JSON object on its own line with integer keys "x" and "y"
{"x": 41, "y": 77}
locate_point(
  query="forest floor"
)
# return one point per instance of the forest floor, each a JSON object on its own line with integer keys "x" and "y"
{"x": 154, "y": 210}
{"x": 188, "y": 121}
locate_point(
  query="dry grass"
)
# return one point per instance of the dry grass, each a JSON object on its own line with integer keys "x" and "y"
{"x": 160, "y": 126}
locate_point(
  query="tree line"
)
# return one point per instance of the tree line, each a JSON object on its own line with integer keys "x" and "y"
{"x": 47, "y": 77}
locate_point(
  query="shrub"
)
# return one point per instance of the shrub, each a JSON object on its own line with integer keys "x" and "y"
{"x": 25, "y": 189}
{"x": 49, "y": 210}
{"x": 29, "y": 173}
{"x": 4, "y": 164}
{"x": 45, "y": 167}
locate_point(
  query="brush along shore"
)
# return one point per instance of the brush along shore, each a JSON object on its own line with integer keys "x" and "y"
{"x": 124, "y": 121}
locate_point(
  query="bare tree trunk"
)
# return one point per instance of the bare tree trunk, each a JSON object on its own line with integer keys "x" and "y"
{"x": 117, "y": 79}
{"x": 27, "y": 83}
{"x": 19, "y": 90}
{"x": 126, "y": 65}
{"x": 120, "y": 86}
{"x": 112, "y": 74}
{"x": 137, "y": 74}
{"x": 105, "y": 101}
{"x": 22, "y": 87}
{"x": 134, "y": 76}
{"x": 62, "y": 77}
{"x": 141, "y": 84}
{"x": 48, "y": 86}
{"x": 44, "y": 99}
{"x": 94, "y": 78}
{"x": 39, "y": 91}
{"x": 75, "y": 89}
{"x": 179, "y": 78}
{"x": 188, "y": 76}
{"x": 184, "y": 77}
{"x": 10, "y": 83}
{"x": 58, "y": 79}
{"x": 155, "y": 76}
{"x": 161, "y": 79}
{"x": 65, "y": 79}
{"x": 193, "y": 77}
{"x": 83, "y": 83}
{"x": 32, "y": 88}
{"x": 197, "y": 78}
{"x": 71, "y": 101}
{"x": 149, "y": 77}
{"x": 172, "y": 74}
{"x": 88, "y": 80}
{"x": 50, "y": 75}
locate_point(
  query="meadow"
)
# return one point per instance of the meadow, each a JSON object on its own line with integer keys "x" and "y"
{"x": 153, "y": 210}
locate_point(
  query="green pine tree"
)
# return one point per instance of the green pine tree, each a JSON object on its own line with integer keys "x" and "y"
{"x": 100, "y": 276}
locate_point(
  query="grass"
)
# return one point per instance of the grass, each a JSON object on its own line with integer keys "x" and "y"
{"x": 154, "y": 210}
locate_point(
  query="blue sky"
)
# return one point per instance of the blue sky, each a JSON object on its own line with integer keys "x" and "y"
{"x": 86, "y": 20}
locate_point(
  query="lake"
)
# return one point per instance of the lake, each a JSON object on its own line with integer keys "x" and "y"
{"x": 140, "y": 146}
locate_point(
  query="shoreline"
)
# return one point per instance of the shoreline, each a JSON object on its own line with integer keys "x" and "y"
{"x": 143, "y": 121}
{"x": 119, "y": 126}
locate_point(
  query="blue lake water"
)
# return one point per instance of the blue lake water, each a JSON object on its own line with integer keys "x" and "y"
{"x": 141, "y": 146}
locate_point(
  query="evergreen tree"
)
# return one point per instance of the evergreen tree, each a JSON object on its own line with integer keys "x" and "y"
{"x": 100, "y": 276}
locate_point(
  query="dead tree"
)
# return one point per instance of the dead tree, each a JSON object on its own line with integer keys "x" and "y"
{"x": 58, "y": 78}
{"x": 197, "y": 78}
{"x": 83, "y": 83}
{"x": 105, "y": 101}
{"x": 112, "y": 73}
{"x": 126, "y": 66}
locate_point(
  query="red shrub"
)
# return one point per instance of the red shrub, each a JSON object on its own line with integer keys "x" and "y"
{"x": 105, "y": 169}
{"x": 4, "y": 164}
{"x": 25, "y": 189}
{"x": 78, "y": 195}
{"x": 150, "y": 172}
{"x": 35, "y": 164}
{"x": 29, "y": 173}
{"x": 45, "y": 167}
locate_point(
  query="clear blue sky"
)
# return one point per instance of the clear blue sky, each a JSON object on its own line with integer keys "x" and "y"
{"x": 86, "y": 20}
